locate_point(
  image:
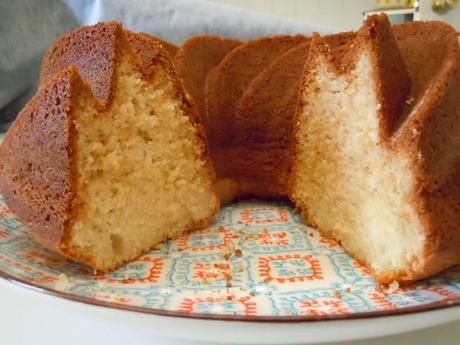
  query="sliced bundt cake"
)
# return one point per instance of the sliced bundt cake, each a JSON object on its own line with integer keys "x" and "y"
{"x": 360, "y": 130}
{"x": 377, "y": 146}
{"x": 107, "y": 159}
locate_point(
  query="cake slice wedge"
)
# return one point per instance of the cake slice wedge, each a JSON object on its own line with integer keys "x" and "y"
{"x": 376, "y": 163}
{"x": 108, "y": 159}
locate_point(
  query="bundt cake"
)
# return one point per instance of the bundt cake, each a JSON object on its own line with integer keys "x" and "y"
{"x": 360, "y": 130}
{"x": 107, "y": 159}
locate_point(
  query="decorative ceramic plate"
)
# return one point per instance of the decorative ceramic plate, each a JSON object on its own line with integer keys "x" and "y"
{"x": 259, "y": 261}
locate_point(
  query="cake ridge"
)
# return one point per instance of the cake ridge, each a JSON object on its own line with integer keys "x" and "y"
{"x": 94, "y": 58}
{"x": 448, "y": 65}
{"x": 232, "y": 71}
{"x": 46, "y": 180}
{"x": 193, "y": 61}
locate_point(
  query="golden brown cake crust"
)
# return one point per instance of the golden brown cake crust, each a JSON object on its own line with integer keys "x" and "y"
{"x": 94, "y": 58}
{"x": 264, "y": 118}
{"x": 37, "y": 160}
{"x": 225, "y": 85}
{"x": 227, "y": 82}
{"x": 37, "y": 156}
{"x": 261, "y": 100}
{"x": 170, "y": 47}
{"x": 389, "y": 71}
{"x": 430, "y": 135}
{"x": 195, "y": 59}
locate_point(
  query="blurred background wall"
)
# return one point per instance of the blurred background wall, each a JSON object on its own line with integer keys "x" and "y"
{"x": 344, "y": 14}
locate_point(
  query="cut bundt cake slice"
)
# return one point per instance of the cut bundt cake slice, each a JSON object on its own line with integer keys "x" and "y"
{"x": 107, "y": 159}
{"x": 377, "y": 146}
{"x": 225, "y": 85}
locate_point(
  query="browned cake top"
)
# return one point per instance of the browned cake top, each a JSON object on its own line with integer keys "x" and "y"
{"x": 264, "y": 122}
{"x": 36, "y": 159}
{"x": 195, "y": 59}
{"x": 170, "y": 47}
{"x": 227, "y": 82}
{"x": 266, "y": 109}
{"x": 390, "y": 72}
{"x": 148, "y": 51}
{"x": 431, "y": 52}
{"x": 92, "y": 50}
{"x": 432, "y": 115}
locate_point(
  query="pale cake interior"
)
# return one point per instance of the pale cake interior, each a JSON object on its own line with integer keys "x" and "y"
{"x": 351, "y": 186}
{"x": 141, "y": 173}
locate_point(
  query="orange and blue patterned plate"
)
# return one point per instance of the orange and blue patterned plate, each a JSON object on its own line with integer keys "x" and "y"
{"x": 259, "y": 261}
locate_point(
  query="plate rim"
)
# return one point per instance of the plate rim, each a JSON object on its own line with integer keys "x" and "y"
{"x": 426, "y": 307}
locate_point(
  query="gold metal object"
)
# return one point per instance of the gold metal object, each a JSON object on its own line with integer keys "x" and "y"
{"x": 443, "y": 6}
